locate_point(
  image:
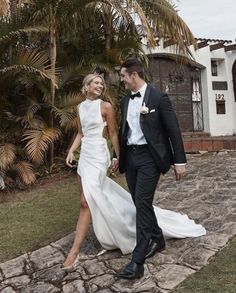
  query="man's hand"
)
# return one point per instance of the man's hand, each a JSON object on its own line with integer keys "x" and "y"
{"x": 114, "y": 165}
{"x": 180, "y": 171}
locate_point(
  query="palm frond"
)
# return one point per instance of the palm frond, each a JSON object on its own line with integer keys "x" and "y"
{"x": 117, "y": 8}
{"x": 70, "y": 100}
{"x": 66, "y": 117}
{"x": 31, "y": 62}
{"x": 72, "y": 73}
{"x": 16, "y": 34}
{"x": 7, "y": 155}
{"x": 160, "y": 19}
{"x": 27, "y": 121}
{"x": 32, "y": 58}
{"x": 66, "y": 110}
{"x": 39, "y": 142}
{"x": 97, "y": 64}
{"x": 32, "y": 108}
{"x": 24, "y": 171}
{"x": 29, "y": 107}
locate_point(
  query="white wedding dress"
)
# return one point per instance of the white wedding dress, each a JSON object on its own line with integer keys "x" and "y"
{"x": 113, "y": 211}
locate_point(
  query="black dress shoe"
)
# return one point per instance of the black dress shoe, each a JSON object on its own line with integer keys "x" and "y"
{"x": 155, "y": 247}
{"x": 132, "y": 271}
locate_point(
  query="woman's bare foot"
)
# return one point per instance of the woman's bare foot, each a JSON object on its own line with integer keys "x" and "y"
{"x": 102, "y": 252}
{"x": 71, "y": 261}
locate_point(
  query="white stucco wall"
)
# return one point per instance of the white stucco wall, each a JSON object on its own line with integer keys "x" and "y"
{"x": 219, "y": 124}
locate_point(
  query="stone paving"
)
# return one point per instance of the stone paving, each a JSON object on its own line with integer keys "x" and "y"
{"x": 207, "y": 195}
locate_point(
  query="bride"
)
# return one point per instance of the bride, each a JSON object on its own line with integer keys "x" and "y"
{"x": 102, "y": 201}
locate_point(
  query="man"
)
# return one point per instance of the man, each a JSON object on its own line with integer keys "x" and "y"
{"x": 150, "y": 141}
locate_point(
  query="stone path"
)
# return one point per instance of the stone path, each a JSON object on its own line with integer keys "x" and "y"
{"x": 207, "y": 195}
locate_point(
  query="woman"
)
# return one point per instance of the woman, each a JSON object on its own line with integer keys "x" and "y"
{"x": 104, "y": 202}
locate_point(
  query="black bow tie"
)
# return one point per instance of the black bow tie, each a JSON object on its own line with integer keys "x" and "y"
{"x": 138, "y": 95}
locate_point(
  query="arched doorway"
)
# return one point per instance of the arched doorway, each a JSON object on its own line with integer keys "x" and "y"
{"x": 234, "y": 79}
{"x": 182, "y": 83}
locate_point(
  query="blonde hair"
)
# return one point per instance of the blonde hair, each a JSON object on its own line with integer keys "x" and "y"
{"x": 89, "y": 78}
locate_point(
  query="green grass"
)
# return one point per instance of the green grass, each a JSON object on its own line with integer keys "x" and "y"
{"x": 217, "y": 277}
{"x": 35, "y": 218}
{"x": 39, "y": 217}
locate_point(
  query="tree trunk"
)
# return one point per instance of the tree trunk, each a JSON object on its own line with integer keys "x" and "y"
{"x": 53, "y": 56}
{"x": 12, "y": 18}
{"x": 107, "y": 19}
{"x": 3, "y": 7}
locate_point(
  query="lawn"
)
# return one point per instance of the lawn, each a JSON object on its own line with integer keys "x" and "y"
{"x": 37, "y": 217}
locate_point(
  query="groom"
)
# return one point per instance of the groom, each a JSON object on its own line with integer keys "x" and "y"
{"x": 150, "y": 141}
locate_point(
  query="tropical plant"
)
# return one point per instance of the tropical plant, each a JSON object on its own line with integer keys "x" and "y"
{"x": 19, "y": 66}
{"x": 20, "y": 117}
{"x": 46, "y": 49}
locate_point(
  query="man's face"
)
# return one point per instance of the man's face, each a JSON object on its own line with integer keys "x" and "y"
{"x": 128, "y": 80}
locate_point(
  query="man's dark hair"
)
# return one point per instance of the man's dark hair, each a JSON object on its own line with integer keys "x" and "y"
{"x": 133, "y": 65}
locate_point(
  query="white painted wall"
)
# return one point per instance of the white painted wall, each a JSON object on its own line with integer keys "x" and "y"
{"x": 219, "y": 124}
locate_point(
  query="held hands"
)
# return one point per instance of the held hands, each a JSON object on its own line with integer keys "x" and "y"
{"x": 180, "y": 171}
{"x": 69, "y": 159}
{"x": 115, "y": 165}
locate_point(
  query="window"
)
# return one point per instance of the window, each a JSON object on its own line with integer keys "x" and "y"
{"x": 214, "y": 68}
{"x": 220, "y": 85}
{"x": 220, "y": 107}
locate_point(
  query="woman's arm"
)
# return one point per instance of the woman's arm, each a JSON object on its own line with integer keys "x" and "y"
{"x": 76, "y": 143}
{"x": 109, "y": 115}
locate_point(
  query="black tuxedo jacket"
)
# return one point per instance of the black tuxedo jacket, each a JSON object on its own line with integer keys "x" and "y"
{"x": 160, "y": 128}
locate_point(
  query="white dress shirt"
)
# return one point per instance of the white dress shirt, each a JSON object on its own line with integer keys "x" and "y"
{"x": 135, "y": 134}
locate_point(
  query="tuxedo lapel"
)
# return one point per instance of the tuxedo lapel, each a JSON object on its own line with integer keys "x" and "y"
{"x": 126, "y": 104}
{"x": 145, "y": 101}
{"x": 147, "y": 95}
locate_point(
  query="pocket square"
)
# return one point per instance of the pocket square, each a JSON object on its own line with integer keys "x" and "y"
{"x": 153, "y": 110}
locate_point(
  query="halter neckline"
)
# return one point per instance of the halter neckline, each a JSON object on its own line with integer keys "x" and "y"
{"x": 91, "y": 100}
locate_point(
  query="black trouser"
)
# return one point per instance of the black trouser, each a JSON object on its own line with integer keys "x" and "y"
{"x": 142, "y": 176}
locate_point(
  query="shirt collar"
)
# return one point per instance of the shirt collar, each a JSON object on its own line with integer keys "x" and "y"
{"x": 141, "y": 90}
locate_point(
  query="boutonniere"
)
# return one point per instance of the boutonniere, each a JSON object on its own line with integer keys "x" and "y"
{"x": 144, "y": 109}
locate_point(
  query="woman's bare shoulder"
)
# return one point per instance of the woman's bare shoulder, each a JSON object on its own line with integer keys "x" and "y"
{"x": 107, "y": 106}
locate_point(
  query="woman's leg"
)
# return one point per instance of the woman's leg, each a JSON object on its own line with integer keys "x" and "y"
{"x": 82, "y": 227}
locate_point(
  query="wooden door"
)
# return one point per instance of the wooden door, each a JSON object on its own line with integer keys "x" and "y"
{"x": 176, "y": 80}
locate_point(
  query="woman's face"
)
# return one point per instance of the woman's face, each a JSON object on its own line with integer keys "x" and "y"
{"x": 95, "y": 87}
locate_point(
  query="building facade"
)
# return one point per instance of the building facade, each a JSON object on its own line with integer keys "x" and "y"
{"x": 203, "y": 89}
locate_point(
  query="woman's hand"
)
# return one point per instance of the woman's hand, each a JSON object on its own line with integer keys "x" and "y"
{"x": 69, "y": 159}
{"x": 115, "y": 165}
